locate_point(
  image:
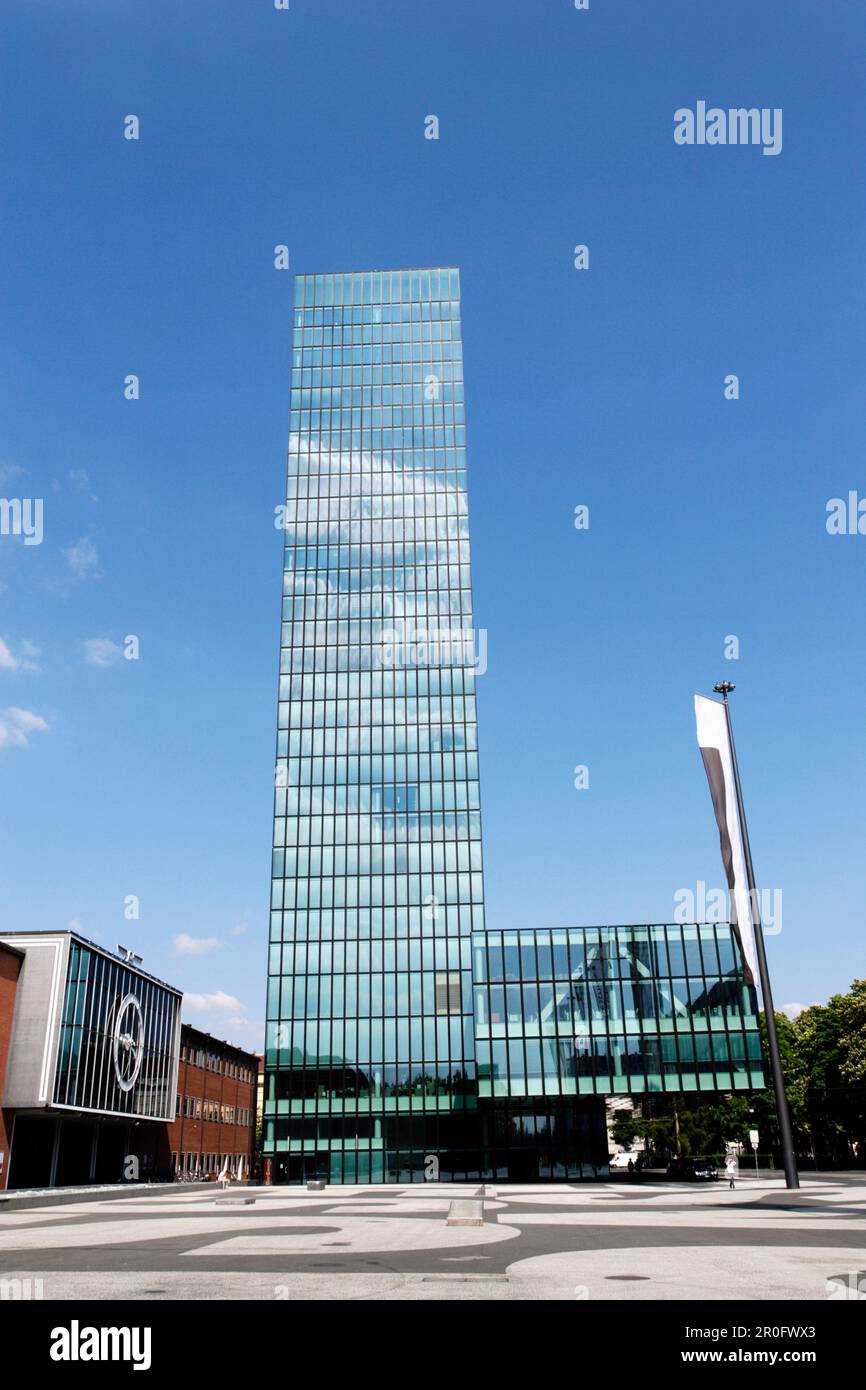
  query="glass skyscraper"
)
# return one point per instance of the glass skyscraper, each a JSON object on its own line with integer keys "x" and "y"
{"x": 405, "y": 1040}
{"x": 377, "y": 881}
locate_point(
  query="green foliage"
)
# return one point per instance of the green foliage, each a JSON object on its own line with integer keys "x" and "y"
{"x": 624, "y": 1130}
{"x": 852, "y": 1011}
{"x": 823, "y": 1056}
{"x": 829, "y": 1076}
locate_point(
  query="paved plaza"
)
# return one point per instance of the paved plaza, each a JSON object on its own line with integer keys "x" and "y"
{"x": 567, "y": 1241}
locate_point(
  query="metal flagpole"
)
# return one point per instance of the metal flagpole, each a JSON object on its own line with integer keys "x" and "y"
{"x": 783, "y": 1114}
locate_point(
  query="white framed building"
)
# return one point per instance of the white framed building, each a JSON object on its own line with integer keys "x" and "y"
{"x": 91, "y": 1073}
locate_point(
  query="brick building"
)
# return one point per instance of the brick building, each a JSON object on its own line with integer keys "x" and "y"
{"x": 215, "y": 1110}
{"x": 10, "y": 966}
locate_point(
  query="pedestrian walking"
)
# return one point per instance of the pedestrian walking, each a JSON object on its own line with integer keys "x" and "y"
{"x": 731, "y": 1171}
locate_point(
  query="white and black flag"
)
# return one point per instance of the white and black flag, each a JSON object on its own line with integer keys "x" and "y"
{"x": 715, "y": 746}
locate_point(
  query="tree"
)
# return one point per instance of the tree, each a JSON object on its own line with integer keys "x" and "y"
{"x": 624, "y": 1129}
{"x": 763, "y": 1103}
{"x": 852, "y": 1011}
{"x": 823, "y": 1054}
{"x": 659, "y": 1135}
{"x": 818, "y": 1034}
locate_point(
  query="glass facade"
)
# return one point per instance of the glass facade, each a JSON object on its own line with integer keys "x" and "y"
{"x": 611, "y": 1010}
{"x": 566, "y": 1018}
{"x": 404, "y": 1041}
{"x": 377, "y": 875}
{"x": 119, "y": 1039}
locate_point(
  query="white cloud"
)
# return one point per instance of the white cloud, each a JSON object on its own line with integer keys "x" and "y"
{"x": 24, "y": 661}
{"x": 794, "y": 1010}
{"x": 83, "y": 560}
{"x": 30, "y": 655}
{"x": 186, "y": 945}
{"x": 254, "y": 1031}
{"x": 219, "y": 1002}
{"x": 10, "y": 471}
{"x": 16, "y": 726}
{"x": 80, "y": 480}
{"x": 240, "y": 930}
{"x": 75, "y": 925}
{"x": 101, "y": 651}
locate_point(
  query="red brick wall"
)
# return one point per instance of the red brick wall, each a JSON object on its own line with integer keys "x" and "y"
{"x": 10, "y": 964}
{"x": 188, "y": 1134}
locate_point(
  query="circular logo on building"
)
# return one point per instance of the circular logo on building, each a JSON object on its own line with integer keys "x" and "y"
{"x": 128, "y": 1042}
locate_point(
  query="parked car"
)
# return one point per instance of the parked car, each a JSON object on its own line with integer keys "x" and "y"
{"x": 620, "y": 1161}
{"x": 693, "y": 1170}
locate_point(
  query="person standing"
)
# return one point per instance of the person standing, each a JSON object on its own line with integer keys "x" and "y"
{"x": 731, "y": 1170}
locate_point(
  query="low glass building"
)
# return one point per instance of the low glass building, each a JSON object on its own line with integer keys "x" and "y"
{"x": 562, "y": 1017}
{"x": 612, "y": 1010}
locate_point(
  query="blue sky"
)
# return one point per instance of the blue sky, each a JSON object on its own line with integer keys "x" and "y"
{"x": 603, "y": 387}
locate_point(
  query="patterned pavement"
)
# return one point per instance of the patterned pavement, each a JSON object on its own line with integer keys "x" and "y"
{"x": 580, "y": 1242}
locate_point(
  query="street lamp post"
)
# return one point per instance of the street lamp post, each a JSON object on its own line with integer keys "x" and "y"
{"x": 783, "y": 1114}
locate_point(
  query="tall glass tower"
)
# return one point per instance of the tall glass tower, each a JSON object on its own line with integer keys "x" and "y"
{"x": 377, "y": 875}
